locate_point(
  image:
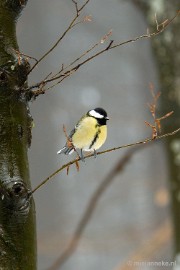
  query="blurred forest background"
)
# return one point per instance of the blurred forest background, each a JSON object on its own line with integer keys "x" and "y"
{"x": 135, "y": 210}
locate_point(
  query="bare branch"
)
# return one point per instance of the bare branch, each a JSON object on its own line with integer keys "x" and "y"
{"x": 25, "y": 55}
{"x": 78, "y": 12}
{"x": 76, "y": 6}
{"x": 57, "y": 42}
{"x": 156, "y": 126}
{"x": 83, "y": 6}
{"x": 103, "y": 152}
{"x": 70, "y": 69}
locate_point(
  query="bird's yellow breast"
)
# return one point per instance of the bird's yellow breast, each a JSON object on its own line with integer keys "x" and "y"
{"x": 89, "y": 135}
{"x": 102, "y": 135}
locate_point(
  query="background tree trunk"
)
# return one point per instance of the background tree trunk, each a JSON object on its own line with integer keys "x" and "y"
{"x": 17, "y": 215}
{"x": 167, "y": 54}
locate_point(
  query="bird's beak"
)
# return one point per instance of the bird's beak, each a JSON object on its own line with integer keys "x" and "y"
{"x": 107, "y": 118}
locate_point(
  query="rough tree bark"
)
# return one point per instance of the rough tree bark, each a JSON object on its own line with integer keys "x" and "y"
{"x": 17, "y": 214}
{"x": 167, "y": 55}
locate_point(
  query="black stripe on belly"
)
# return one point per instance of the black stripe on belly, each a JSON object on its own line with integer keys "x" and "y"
{"x": 95, "y": 139}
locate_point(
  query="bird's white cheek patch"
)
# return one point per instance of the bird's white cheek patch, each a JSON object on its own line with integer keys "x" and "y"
{"x": 95, "y": 114}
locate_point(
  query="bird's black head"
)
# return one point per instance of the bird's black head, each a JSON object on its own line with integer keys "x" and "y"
{"x": 100, "y": 114}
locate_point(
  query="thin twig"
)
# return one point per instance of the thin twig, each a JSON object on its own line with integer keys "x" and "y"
{"x": 78, "y": 11}
{"x": 156, "y": 126}
{"x": 26, "y": 55}
{"x": 69, "y": 141}
{"x": 88, "y": 51}
{"x": 83, "y": 6}
{"x": 76, "y": 6}
{"x": 103, "y": 152}
{"x": 52, "y": 48}
{"x": 149, "y": 35}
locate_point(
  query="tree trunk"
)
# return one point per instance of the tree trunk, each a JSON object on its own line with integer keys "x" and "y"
{"x": 167, "y": 55}
{"x": 17, "y": 214}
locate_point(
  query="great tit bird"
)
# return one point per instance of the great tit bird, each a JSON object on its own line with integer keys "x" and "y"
{"x": 89, "y": 133}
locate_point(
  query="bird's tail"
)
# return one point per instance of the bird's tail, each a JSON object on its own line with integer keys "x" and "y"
{"x": 66, "y": 150}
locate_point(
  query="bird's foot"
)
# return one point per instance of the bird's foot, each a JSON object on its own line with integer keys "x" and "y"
{"x": 82, "y": 156}
{"x": 95, "y": 153}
